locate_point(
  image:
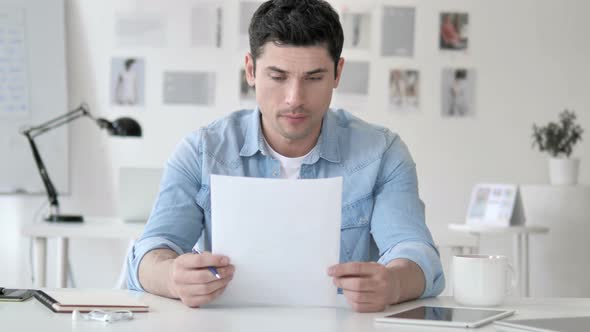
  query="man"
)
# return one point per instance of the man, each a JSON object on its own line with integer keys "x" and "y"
{"x": 295, "y": 64}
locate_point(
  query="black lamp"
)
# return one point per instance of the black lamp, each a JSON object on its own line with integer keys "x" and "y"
{"x": 120, "y": 127}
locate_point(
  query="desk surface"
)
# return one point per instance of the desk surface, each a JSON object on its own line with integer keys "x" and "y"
{"x": 171, "y": 315}
{"x": 482, "y": 229}
{"x": 92, "y": 227}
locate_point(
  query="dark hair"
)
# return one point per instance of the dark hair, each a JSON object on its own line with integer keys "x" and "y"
{"x": 128, "y": 63}
{"x": 460, "y": 74}
{"x": 297, "y": 23}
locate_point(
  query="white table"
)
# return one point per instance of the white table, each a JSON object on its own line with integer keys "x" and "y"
{"x": 95, "y": 228}
{"x": 520, "y": 248}
{"x": 171, "y": 315}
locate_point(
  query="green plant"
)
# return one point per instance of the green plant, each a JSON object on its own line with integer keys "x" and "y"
{"x": 558, "y": 138}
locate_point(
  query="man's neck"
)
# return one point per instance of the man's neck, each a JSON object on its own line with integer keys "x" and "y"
{"x": 291, "y": 148}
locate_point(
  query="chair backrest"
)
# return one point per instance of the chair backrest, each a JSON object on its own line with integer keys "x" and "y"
{"x": 122, "y": 279}
{"x": 138, "y": 189}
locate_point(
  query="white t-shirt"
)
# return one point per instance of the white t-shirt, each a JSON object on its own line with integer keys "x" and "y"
{"x": 290, "y": 167}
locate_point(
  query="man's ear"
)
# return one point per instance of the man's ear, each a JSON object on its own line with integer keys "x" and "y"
{"x": 249, "y": 68}
{"x": 339, "y": 68}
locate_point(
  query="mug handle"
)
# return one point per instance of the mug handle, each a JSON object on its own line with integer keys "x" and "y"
{"x": 513, "y": 280}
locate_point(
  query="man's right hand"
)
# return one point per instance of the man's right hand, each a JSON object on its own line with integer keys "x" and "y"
{"x": 193, "y": 283}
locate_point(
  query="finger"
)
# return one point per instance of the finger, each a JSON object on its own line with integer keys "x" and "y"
{"x": 354, "y": 269}
{"x": 198, "y": 300}
{"x": 359, "y": 297}
{"x": 202, "y": 275}
{"x": 358, "y": 284}
{"x": 203, "y": 260}
{"x": 367, "y": 307}
{"x": 192, "y": 290}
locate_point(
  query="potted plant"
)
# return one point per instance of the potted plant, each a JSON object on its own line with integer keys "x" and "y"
{"x": 558, "y": 139}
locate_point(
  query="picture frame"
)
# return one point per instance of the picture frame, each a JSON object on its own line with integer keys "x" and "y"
{"x": 495, "y": 205}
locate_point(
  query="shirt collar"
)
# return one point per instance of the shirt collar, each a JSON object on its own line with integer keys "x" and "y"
{"x": 328, "y": 142}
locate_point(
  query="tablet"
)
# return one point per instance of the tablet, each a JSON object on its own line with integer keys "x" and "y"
{"x": 445, "y": 316}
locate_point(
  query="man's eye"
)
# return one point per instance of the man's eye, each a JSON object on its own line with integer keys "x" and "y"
{"x": 277, "y": 78}
{"x": 315, "y": 78}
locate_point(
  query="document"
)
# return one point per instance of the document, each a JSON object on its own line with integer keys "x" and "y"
{"x": 281, "y": 235}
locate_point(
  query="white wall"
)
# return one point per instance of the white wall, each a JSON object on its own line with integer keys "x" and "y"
{"x": 531, "y": 58}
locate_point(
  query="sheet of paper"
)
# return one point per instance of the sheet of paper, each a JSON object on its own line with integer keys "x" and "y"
{"x": 14, "y": 71}
{"x": 281, "y": 235}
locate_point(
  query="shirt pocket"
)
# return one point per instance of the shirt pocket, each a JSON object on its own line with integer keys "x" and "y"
{"x": 355, "y": 230}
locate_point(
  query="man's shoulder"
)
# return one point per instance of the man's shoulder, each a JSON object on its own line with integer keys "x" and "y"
{"x": 234, "y": 121}
{"x": 360, "y": 133}
{"x": 227, "y": 132}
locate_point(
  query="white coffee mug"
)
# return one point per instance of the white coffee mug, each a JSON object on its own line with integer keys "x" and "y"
{"x": 481, "y": 280}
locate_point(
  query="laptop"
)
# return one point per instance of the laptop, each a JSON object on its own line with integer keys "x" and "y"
{"x": 138, "y": 189}
{"x": 561, "y": 324}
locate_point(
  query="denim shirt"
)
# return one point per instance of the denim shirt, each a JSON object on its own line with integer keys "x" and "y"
{"x": 382, "y": 214}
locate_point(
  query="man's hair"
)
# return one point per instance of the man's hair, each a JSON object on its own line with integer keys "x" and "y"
{"x": 296, "y": 23}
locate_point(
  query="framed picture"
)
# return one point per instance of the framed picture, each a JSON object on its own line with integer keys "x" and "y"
{"x": 495, "y": 205}
{"x": 453, "y": 31}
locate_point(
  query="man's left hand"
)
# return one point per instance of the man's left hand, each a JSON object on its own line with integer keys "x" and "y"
{"x": 367, "y": 286}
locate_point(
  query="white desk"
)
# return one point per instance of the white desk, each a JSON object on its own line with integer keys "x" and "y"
{"x": 171, "y": 315}
{"x": 520, "y": 249}
{"x": 96, "y": 228}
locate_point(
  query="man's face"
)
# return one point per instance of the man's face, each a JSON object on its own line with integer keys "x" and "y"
{"x": 293, "y": 89}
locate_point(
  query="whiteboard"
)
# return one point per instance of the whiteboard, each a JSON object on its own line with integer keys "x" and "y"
{"x": 32, "y": 91}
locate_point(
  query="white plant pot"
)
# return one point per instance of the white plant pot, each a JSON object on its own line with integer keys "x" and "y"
{"x": 563, "y": 171}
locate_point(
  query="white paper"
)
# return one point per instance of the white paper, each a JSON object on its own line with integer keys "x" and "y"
{"x": 281, "y": 235}
{"x": 14, "y": 96}
{"x": 140, "y": 29}
{"x": 207, "y": 24}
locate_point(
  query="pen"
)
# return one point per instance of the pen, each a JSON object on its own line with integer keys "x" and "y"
{"x": 211, "y": 268}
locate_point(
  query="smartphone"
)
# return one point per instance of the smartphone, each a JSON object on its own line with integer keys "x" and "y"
{"x": 15, "y": 295}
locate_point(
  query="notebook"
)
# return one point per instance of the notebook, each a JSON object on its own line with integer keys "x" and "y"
{"x": 69, "y": 300}
{"x": 562, "y": 324}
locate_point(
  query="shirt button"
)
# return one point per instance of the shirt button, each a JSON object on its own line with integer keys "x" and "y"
{"x": 275, "y": 173}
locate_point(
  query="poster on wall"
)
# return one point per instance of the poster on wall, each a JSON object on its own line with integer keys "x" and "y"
{"x": 357, "y": 30}
{"x": 127, "y": 81}
{"x": 458, "y": 92}
{"x": 189, "y": 88}
{"x": 207, "y": 25}
{"x": 404, "y": 92}
{"x": 453, "y": 32}
{"x": 140, "y": 30}
{"x": 247, "y": 9}
{"x": 353, "y": 90}
{"x": 397, "y": 33}
{"x": 14, "y": 69}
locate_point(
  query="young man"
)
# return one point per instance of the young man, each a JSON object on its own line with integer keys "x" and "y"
{"x": 295, "y": 64}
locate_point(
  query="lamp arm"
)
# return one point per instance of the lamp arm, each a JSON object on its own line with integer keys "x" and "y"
{"x": 72, "y": 115}
{"x": 51, "y": 192}
{"x": 34, "y": 131}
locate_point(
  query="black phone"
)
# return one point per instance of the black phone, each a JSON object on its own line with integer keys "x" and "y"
{"x": 15, "y": 295}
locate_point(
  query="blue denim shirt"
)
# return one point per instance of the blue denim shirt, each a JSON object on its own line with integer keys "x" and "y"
{"x": 382, "y": 214}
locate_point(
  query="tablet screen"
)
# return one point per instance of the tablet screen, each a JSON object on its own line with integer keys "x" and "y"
{"x": 446, "y": 314}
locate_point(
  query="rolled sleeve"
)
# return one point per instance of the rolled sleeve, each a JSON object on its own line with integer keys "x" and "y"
{"x": 139, "y": 250}
{"x": 176, "y": 221}
{"x": 426, "y": 257}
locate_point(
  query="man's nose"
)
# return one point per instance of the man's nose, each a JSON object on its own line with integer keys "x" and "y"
{"x": 295, "y": 94}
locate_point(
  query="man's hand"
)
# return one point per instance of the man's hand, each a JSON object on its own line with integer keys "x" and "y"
{"x": 193, "y": 283}
{"x": 368, "y": 287}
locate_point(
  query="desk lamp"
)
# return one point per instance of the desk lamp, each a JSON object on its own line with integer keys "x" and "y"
{"x": 120, "y": 127}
